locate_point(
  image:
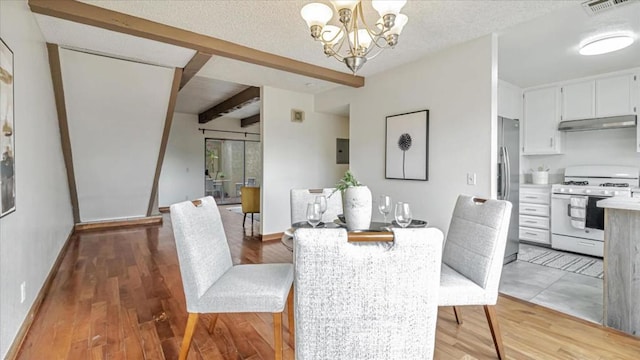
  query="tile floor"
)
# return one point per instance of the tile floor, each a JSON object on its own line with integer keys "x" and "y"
{"x": 574, "y": 294}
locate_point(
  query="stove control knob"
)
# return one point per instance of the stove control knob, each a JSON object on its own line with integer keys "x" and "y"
{"x": 606, "y": 192}
{"x": 587, "y": 191}
{"x": 570, "y": 190}
{"x": 616, "y": 193}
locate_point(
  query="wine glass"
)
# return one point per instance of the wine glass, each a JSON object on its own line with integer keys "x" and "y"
{"x": 384, "y": 206}
{"x": 313, "y": 214}
{"x": 322, "y": 201}
{"x": 403, "y": 214}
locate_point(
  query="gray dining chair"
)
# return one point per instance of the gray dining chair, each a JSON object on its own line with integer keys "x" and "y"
{"x": 473, "y": 257}
{"x": 212, "y": 284}
{"x": 301, "y": 197}
{"x": 366, "y": 300}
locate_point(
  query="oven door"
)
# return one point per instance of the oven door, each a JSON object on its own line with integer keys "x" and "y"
{"x": 561, "y": 220}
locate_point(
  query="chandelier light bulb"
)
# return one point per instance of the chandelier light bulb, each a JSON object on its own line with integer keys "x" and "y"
{"x": 363, "y": 40}
{"x": 388, "y": 7}
{"x": 316, "y": 14}
{"x": 401, "y": 21}
{"x": 606, "y": 45}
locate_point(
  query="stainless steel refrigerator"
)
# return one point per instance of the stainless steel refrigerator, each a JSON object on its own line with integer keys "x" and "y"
{"x": 509, "y": 179}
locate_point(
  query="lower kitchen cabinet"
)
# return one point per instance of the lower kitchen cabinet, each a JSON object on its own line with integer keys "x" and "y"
{"x": 534, "y": 213}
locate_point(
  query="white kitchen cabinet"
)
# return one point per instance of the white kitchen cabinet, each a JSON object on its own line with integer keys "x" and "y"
{"x": 534, "y": 213}
{"x": 615, "y": 95}
{"x": 578, "y": 100}
{"x": 541, "y": 117}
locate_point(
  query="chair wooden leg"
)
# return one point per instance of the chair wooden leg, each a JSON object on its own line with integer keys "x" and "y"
{"x": 188, "y": 335}
{"x": 244, "y": 220}
{"x": 458, "y": 313}
{"x": 277, "y": 335}
{"x": 251, "y": 224}
{"x": 492, "y": 319}
{"x": 212, "y": 324}
{"x": 292, "y": 328}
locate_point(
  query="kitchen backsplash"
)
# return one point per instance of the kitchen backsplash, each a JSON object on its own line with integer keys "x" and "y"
{"x": 601, "y": 147}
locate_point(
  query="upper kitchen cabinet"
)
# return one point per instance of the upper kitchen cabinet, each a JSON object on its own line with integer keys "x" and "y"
{"x": 615, "y": 95}
{"x": 578, "y": 100}
{"x": 541, "y": 117}
{"x": 600, "y": 97}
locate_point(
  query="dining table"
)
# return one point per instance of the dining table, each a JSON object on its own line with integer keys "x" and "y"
{"x": 377, "y": 231}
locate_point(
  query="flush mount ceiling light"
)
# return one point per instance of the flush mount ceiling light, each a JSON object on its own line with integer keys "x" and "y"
{"x": 353, "y": 36}
{"x": 606, "y": 45}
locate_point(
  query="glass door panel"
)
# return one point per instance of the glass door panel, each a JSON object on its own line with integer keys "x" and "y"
{"x": 230, "y": 164}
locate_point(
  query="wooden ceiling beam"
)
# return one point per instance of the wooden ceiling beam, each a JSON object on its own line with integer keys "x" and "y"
{"x": 193, "y": 66}
{"x": 250, "y": 120}
{"x": 132, "y": 25}
{"x": 250, "y": 94}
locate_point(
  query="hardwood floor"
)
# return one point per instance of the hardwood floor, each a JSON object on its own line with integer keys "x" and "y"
{"x": 118, "y": 295}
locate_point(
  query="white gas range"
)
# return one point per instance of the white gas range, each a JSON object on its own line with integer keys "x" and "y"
{"x": 577, "y": 224}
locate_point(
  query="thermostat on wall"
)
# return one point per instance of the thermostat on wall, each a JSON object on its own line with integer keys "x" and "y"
{"x": 297, "y": 115}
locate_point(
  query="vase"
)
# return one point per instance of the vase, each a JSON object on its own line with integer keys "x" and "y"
{"x": 540, "y": 177}
{"x": 357, "y": 207}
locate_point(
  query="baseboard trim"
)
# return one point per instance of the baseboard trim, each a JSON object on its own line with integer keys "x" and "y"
{"x": 28, "y": 320}
{"x": 163, "y": 209}
{"x": 272, "y": 237}
{"x": 118, "y": 224}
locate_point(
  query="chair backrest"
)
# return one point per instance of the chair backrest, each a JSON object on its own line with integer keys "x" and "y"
{"x": 250, "y": 199}
{"x": 301, "y": 197}
{"x": 203, "y": 251}
{"x": 476, "y": 240}
{"x": 374, "y": 300}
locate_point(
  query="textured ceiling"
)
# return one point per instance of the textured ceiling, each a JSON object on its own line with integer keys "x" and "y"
{"x": 546, "y": 50}
{"x": 96, "y": 40}
{"x": 276, "y": 26}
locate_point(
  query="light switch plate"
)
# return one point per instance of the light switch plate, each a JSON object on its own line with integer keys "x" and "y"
{"x": 471, "y": 178}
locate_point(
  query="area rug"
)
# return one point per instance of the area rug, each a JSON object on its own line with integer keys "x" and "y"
{"x": 579, "y": 264}
{"x": 238, "y": 209}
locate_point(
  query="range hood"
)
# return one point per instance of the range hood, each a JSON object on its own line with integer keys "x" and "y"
{"x": 613, "y": 122}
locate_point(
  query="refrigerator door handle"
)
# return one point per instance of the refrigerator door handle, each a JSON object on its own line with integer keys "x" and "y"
{"x": 507, "y": 173}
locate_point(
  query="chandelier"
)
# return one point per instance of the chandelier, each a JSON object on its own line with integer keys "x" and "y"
{"x": 357, "y": 46}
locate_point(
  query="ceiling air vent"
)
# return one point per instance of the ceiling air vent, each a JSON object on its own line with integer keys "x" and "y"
{"x": 593, "y": 7}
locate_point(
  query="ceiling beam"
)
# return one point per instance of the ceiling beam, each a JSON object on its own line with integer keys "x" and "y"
{"x": 193, "y": 66}
{"x": 132, "y": 25}
{"x": 250, "y": 120}
{"x": 248, "y": 95}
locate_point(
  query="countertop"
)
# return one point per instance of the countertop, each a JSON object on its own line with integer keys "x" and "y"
{"x": 621, "y": 203}
{"x": 530, "y": 185}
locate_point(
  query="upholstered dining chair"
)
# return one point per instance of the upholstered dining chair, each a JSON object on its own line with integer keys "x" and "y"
{"x": 250, "y": 201}
{"x": 366, "y": 300}
{"x": 212, "y": 284}
{"x": 473, "y": 256}
{"x": 301, "y": 197}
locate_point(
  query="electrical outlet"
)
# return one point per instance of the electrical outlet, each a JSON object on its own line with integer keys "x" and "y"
{"x": 23, "y": 292}
{"x": 471, "y": 178}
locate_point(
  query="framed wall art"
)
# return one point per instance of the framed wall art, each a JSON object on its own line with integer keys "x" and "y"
{"x": 7, "y": 132}
{"x": 407, "y": 146}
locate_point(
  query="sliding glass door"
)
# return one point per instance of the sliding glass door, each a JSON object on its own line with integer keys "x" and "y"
{"x": 229, "y": 165}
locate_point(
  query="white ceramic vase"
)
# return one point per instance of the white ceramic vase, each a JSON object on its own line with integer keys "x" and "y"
{"x": 357, "y": 207}
{"x": 540, "y": 177}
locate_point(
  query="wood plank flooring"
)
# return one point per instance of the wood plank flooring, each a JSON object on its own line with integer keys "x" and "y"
{"x": 118, "y": 295}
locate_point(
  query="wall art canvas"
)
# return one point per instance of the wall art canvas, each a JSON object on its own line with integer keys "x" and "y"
{"x": 7, "y": 132}
{"x": 407, "y": 146}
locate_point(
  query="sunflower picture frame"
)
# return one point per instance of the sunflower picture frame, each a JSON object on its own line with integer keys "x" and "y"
{"x": 407, "y": 146}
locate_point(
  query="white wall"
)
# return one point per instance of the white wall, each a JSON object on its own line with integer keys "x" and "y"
{"x": 459, "y": 88}
{"x": 32, "y": 236}
{"x": 116, "y": 111}
{"x": 182, "y": 176}
{"x": 295, "y": 155}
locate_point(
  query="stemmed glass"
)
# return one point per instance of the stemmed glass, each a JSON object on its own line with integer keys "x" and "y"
{"x": 322, "y": 201}
{"x": 384, "y": 206}
{"x": 313, "y": 214}
{"x": 403, "y": 214}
